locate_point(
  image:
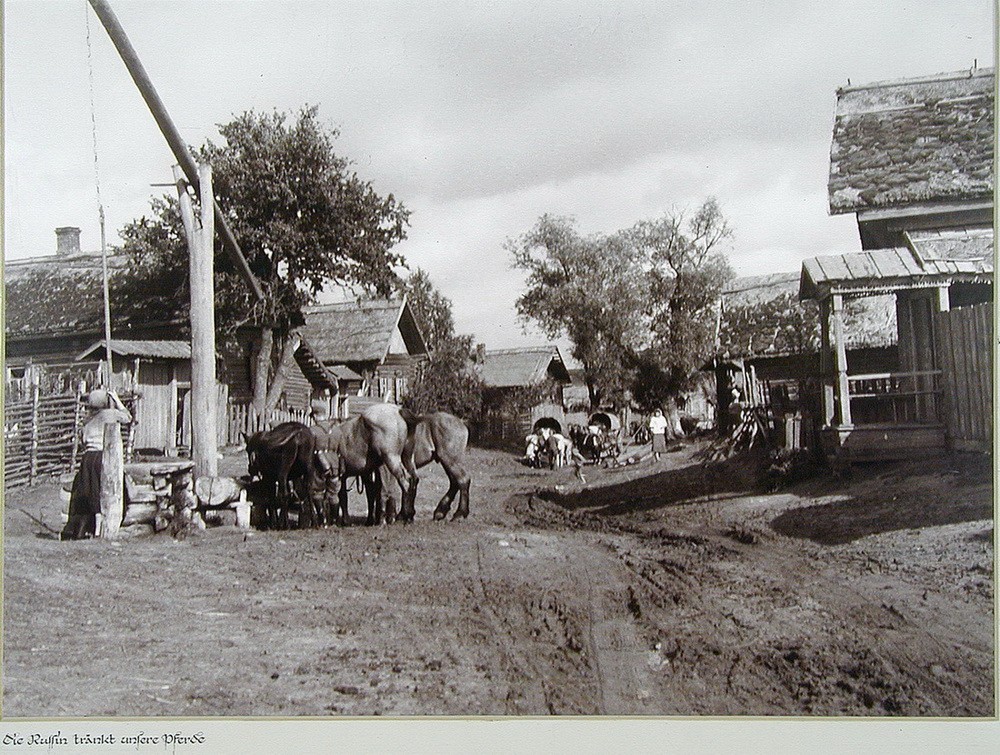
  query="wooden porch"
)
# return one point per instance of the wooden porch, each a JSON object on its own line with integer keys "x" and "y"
{"x": 909, "y": 412}
{"x": 889, "y": 416}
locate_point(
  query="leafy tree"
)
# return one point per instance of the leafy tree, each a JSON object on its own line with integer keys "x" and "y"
{"x": 593, "y": 289}
{"x": 431, "y": 308}
{"x": 304, "y": 220}
{"x": 639, "y": 305}
{"x": 446, "y": 381}
{"x": 687, "y": 274}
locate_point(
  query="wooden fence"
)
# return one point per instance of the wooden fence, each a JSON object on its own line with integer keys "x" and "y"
{"x": 240, "y": 419}
{"x": 41, "y": 437}
{"x": 495, "y": 431}
{"x": 964, "y": 341}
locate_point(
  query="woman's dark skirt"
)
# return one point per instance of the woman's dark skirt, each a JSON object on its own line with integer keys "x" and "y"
{"x": 659, "y": 443}
{"x": 85, "y": 499}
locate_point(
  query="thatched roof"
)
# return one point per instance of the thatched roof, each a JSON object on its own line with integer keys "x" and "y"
{"x": 762, "y": 316}
{"x": 509, "y": 368}
{"x": 913, "y": 140}
{"x": 55, "y": 294}
{"x": 357, "y": 332}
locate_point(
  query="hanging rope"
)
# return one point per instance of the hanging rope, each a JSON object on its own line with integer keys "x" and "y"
{"x": 100, "y": 204}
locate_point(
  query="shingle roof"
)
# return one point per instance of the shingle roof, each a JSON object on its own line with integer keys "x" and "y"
{"x": 508, "y": 368}
{"x": 757, "y": 289}
{"x": 914, "y": 140}
{"x": 351, "y": 332}
{"x": 142, "y": 348}
{"x": 762, "y": 316}
{"x": 50, "y": 295}
{"x": 897, "y": 268}
{"x": 344, "y": 373}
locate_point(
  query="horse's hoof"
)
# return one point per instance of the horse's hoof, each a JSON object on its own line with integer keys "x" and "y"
{"x": 460, "y": 514}
{"x": 439, "y": 515}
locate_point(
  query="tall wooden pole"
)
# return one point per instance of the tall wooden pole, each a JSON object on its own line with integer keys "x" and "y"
{"x": 204, "y": 395}
{"x": 826, "y": 381}
{"x": 170, "y": 132}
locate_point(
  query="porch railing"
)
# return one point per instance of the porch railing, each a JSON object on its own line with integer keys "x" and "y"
{"x": 895, "y": 398}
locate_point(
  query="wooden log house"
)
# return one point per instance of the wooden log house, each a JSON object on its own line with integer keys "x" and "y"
{"x": 769, "y": 349}
{"x": 509, "y": 375}
{"x": 913, "y": 159}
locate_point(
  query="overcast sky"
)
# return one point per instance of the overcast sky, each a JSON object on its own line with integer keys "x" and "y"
{"x": 480, "y": 116}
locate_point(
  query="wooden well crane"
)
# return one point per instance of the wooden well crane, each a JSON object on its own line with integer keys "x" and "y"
{"x": 204, "y": 451}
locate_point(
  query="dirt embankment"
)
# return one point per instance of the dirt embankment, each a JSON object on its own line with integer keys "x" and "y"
{"x": 661, "y": 589}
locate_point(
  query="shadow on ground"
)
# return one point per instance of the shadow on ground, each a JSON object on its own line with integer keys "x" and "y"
{"x": 735, "y": 476}
{"x": 909, "y": 496}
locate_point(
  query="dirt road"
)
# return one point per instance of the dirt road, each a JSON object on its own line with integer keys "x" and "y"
{"x": 661, "y": 589}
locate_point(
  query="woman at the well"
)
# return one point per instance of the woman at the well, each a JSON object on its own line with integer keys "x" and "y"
{"x": 85, "y": 499}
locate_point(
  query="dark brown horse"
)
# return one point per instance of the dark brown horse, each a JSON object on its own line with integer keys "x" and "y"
{"x": 443, "y": 438}
{"x": 281, "y": 457}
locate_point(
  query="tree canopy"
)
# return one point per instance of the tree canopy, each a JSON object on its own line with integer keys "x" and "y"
{"x": 639, "y": 305}
{"x": 688, "y": 270}
{"x": 304, "y": 219}
{"x": 592, "y": 289}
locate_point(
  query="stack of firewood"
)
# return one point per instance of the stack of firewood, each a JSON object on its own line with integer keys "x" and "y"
{"x": 752, "y": 431}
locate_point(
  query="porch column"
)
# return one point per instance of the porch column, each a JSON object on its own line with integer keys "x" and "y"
{"x": 943, "y": 300}
{"x": 826, "y": 387}
{"x": 843, "y": 392}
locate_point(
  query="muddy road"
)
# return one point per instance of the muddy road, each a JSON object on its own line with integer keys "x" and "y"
{"x": 667, "y": 588}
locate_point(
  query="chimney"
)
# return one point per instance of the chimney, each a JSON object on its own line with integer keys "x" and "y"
{"x": 67, "y": 241}
{"x": 480, "y": 353}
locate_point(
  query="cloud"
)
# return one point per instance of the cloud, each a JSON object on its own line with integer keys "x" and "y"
{"x": 481, "y": 116}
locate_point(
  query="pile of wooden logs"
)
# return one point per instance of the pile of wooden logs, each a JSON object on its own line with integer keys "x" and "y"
{"x": 751, "y": 431}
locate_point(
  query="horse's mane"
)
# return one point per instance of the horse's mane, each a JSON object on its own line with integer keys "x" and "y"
{"x": 280, "y": 435}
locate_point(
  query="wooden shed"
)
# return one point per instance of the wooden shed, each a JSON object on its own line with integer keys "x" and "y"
{"x": 159, "y": 372}
{"x": 521, "y": 386}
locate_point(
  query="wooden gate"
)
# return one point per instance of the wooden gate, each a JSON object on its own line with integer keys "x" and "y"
{"x": 964, "y": 345}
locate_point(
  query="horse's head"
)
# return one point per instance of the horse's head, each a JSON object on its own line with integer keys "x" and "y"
{"x": 253, "y": 453}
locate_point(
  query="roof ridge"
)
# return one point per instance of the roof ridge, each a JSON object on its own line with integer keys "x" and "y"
{"x": 361, "y": 304}
{"x": 748, "y": 282}
{"x": 967, "y": 73}
{"x": 521, "y": 350}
